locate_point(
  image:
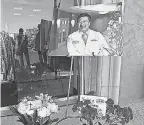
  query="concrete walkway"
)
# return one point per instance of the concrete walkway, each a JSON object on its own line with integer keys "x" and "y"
{"x": 138, "y": 112}
{"x": 137, "y": 107}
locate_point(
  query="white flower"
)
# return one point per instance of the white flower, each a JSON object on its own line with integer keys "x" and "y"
{"x": 108, "y": 28}
{"x": 36, "y": 104}
{"x": 48, "y": 111}
{"x": 30, "y": 112}
{"x": 43, "y": 112}
{"x": 46, "y": 95}
{"x": 22, "y": 108}
{"x": 49, "y": 105}
{"x": 29, "y": 102}
{"x": 21, "y": 104}
{"x": 41, "y": 96}
{"x": 49, "y": 98}
{"x": 114, "y": 25}
{"x": 54, "y": 107}
{"x": 37, "y": 97}
{"x": 33, "y": 66}
{"x": 24, "y": 100}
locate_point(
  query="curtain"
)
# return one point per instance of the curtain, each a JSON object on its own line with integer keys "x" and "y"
{"x": 101, "y": 75}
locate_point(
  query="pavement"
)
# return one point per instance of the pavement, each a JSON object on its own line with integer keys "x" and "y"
{"x": 138, "y": 112}
{"x": 137, "y": 107}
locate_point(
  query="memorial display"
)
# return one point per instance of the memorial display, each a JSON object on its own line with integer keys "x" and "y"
{"x": 36, "y": 111}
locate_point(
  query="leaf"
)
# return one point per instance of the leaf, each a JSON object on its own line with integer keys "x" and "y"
{"x": 14, "y": 110}
{"x": 109, "y": 102}
{"x": 83, "y": 111}
{"x": 55, "y": 120}
{"x": 122, "y": 121}
{"x": 22, "y": 120}
{"x": 28, "y": 119}
{"x": 74, "y": 108}
{"x": 37, "y": 123}
{"x": 86, "y": 102}
{"x": 37, "y": 97}
{"x": 19, "y": 120}
{"x": 99, "y": 123}
{"x": 45, "y": 120}
{"x": 80, "y": 104}
{"x": 20, "y": 116}
{"x": 35, "y": 116}
{"x": 110, "y": 109}
{"x": 29, "y": 124}
{"x": 131, "y": 114}
{"x": 125, "y": 112}
{"x": 84, "y": 118}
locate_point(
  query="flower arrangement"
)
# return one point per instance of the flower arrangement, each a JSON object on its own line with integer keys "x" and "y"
{"x": 92, "y": 115}
{"x": 36, "y": 111}
{"x": 114, "y": 35}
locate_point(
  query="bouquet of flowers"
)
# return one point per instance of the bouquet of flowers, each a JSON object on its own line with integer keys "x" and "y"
{"x": 92, "y": 115}
{"x": 36, "y": 111}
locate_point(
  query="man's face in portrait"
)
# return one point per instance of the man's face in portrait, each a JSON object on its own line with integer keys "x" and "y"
{"x": 83, "y": 24}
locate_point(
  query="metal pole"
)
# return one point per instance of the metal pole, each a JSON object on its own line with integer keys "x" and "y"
{"x": 82, "y": 89}
{"x": 78, "y": 85}
{"x": 69, "y": 86}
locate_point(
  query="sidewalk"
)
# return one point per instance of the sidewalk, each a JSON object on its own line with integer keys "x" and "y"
{"x": 12, "y": 120}
{"x": 137, "y": 107}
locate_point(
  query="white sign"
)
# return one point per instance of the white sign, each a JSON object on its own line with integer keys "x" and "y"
{"x": 96, "y": 101}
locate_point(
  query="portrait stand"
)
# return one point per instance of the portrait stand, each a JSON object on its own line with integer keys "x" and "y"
{"x": 95, "y": 9}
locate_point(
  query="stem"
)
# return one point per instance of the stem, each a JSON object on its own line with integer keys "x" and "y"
{"x": 90, "y": 122}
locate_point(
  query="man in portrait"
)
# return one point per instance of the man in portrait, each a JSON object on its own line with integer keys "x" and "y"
{"x": 86, "y": 42}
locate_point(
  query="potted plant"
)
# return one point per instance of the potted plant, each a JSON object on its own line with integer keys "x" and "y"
{"x": 92, "y": 115}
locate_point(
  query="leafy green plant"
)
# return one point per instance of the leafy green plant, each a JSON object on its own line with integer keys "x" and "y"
{"x": 115, "y": 115}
